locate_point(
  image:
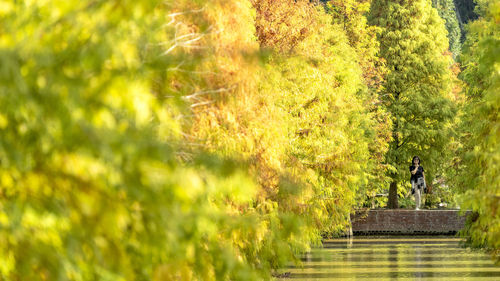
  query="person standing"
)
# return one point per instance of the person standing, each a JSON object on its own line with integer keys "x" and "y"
{"x": 417, "y": 180}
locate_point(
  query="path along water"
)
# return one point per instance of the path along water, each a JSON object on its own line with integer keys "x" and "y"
{"x": 394, "y": 258}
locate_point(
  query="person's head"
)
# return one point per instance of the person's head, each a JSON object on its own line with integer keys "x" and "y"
{"x": 415, "y": 160}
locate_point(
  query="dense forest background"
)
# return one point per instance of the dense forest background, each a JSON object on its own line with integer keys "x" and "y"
{"x": 218, "y": 140}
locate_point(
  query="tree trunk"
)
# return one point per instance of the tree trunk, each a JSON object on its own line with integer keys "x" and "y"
{"x": 392, "y": 203}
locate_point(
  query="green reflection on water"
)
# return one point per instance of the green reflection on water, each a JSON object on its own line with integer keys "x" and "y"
{"x": 394, "y": 258}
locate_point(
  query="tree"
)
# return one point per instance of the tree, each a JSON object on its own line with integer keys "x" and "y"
{"x": 316, "y": 74}
{"x": 413, "y": 43}
{"x": 351, "y": 16}
{"x": 478, "y": 175}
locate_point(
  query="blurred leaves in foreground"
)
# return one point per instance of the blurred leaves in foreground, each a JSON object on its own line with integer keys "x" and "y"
{"x": 92, "y": 187}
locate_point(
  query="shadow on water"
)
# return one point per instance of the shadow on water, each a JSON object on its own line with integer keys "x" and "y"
{"x": 393, "y": 258}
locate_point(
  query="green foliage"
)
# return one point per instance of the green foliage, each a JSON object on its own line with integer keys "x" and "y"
{"x": 417, "y": 92}
{"x": 407, "y": 202}
{"x": 444, "y": 194}
{"x": 447, "y": 11}
{"x": 479, "y": 171}
{"x": 351, "y": 16}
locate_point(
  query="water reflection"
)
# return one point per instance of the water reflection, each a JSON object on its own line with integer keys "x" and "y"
{"x": 394, "y": 258}
{"x": 418, "y": 260}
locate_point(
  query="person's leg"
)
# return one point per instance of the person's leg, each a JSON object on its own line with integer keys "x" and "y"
{"x": 421, "y": 185}
{"x": 417, "y": 194}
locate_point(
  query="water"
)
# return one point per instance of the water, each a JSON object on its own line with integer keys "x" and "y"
{"x": 394, "y": 258}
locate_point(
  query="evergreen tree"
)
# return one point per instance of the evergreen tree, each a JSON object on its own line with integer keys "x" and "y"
{"x": 413, "y": 43}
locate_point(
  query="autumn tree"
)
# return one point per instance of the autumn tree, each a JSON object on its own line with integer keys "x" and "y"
{"x": 323, "y": 94}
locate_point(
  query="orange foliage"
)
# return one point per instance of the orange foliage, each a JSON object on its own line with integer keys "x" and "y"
{"x": 283, "y": 24}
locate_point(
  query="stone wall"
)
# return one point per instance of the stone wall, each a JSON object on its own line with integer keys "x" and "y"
{"x": 400, "y": 221}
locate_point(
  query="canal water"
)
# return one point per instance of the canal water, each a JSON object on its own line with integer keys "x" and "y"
{"x": 394, "y": 258}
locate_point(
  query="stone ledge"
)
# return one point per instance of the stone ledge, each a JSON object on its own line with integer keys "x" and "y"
{"x": 404, "y": 222}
